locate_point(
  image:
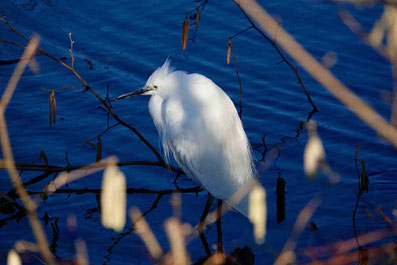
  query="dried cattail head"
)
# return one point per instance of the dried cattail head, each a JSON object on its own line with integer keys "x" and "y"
{"x": 197, "y": 18}
{"x": 229, "y": 50}
{"x": 257, "y": 212}
{"x": 52, "y": 108}
{"x": 113, "y": 198}
{"x": 13, "y": 258}
{"x": 185, "y": 32}
{"x": 314, "y": 154}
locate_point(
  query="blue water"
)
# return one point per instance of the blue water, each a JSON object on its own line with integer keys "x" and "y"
{"x": 126, "y": 41}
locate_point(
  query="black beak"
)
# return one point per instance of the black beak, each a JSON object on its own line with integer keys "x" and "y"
{"x": 131, "y": 94}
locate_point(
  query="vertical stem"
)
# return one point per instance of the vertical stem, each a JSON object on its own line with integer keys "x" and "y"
{"x": 219, "y": 226}
{"x": 29, "y": 205}
{"x": 201, "y": 224}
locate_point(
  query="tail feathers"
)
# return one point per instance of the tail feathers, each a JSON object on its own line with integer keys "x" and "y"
{"x": 242, "y": 206}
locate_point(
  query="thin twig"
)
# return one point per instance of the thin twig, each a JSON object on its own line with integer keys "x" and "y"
{"x": 201, "y": 225}
{"x": 358, "y": 197}
{"x": 230, "y": 50}
{"x": 13, "y": 43}
{"x": 11, "y": 201}
{"x": 240, "y": 32}
{"x": 13, "y": 194}
{"x": 62, "y": 88}
{"x": 193, "y": 190}
{"x": 99, "y": 135}
{"x": 358, "y": 182}
{"x": 219, "y": 226}
{"x": 80, "y": 172}
{"x": 202, "y": 5}
{"x": 238, "y": 78}
{"x": 55, "y": 168}
{"x": 71, "y": 49}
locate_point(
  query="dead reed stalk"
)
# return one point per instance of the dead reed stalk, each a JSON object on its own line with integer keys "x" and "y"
{"x": 319, "y": 72}
{"x": 28, "y": 203}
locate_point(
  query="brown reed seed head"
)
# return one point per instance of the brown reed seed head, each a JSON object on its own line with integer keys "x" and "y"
{"x": 197, "y": 17}
{"x": 229, "y": 50}
{"x": 185, "y": 32}
{"x": 52, "y": 108}
{"x": 13, "y": 258}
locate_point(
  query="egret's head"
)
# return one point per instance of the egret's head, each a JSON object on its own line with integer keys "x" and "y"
{"x": 160, "y": 82}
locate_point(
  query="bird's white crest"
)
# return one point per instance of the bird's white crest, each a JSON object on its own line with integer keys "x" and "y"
{"x": 161, "y": 72}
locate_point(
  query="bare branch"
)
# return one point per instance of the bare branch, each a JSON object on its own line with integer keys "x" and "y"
{"x": 321, "y": 74}
{"x": 284, "y": 59}
{"x": 62, "y": 88}
{"x": 54, "y": 168}
{"x": 103, "y": 101}
{"x": 71, "y": 49}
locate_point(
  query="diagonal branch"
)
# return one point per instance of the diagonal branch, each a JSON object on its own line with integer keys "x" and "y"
{"x": 273, "y": 43}
{"x": 361, "y": 109}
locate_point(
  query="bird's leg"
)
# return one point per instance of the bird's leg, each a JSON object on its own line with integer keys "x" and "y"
{"x": 201, "y": 224}
{"x": 219, "y": 226}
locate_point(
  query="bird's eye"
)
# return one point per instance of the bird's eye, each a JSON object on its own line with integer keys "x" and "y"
{"x": 155, "y": 87}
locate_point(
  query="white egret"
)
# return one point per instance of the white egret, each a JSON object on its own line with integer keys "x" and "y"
{"x": 199, "y": 124}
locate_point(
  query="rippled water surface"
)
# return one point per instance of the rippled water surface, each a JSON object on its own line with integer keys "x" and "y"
{"x": 125, "y": 41}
